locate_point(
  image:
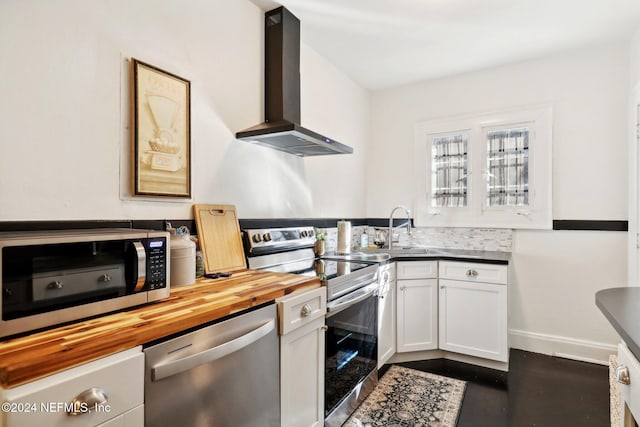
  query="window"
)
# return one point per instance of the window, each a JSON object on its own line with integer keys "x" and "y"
{"x": 507, "y": 167}
{"x": 449, "y": 170}
{"x": 487, "y": 170}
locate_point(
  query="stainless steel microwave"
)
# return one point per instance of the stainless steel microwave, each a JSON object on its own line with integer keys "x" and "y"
{"x": 53, "y": 277}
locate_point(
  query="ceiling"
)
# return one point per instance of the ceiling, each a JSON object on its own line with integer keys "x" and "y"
{"x": 386, "y": 43}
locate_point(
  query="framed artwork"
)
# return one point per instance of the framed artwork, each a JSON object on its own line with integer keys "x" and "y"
{"x": 161, "y": 132}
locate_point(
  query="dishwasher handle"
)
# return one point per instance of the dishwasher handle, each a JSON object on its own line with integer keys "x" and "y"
{"x": 164, "y": 370}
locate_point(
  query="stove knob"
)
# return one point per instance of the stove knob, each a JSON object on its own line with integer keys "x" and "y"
{"x": 266, "y": 237}
{"x": 303, "y": 233}
{"x": 256, "y": 238}
{"x": 310, "y": 233}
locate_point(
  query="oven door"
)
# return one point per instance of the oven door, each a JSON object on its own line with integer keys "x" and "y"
{"x": 351, "y": 352}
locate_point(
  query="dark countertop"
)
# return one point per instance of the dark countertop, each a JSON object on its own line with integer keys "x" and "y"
{"x": 421, "y": 254}
{"x": 469, "y": 255}
{"x": 621, "y": 306}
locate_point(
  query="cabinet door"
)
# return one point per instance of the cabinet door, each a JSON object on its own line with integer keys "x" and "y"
{"x": 386, "y": 318}
{"x": 302, "y": 376}
{"x": 417, "y": 314}
{"x": 132, "y": 418}
{"x": 473, "y": 319}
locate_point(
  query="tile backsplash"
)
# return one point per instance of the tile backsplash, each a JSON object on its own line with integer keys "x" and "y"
{"x": 486, "y": 239}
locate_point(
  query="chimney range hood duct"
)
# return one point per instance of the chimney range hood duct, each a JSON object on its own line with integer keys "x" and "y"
{"x": 281, "y": 129}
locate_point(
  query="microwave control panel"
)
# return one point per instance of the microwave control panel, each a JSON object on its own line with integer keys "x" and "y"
{"x": 156, "y": 263}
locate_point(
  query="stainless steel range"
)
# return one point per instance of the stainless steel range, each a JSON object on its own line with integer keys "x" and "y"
{"x": 352, "y": 310}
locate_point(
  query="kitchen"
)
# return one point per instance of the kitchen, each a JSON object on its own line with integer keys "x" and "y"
{"x": 65, "y": 141}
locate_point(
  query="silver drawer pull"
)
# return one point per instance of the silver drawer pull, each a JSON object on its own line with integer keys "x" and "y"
{"x": 472, "y": 273}
{"x": 622, "y": 375}
{"x": 55, "y": 285}
{"x": 306, "y": 310}
{"x": 87, "y": 400}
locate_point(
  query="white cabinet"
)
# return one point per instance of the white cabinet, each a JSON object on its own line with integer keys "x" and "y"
{"x": 105, "y": 392}
{"x": 302, "y": 342}
{"x": 627, "y": 375}
{"x": 417, "y": 307}
{"x": 473, "y": 309}
{"x": 132, "y": 418}
{"x": 387, "y": 313}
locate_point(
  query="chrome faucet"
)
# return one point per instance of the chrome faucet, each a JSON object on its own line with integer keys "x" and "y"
{"x": 390, "y": 236}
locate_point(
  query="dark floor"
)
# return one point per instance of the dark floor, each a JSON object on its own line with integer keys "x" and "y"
{"x": 539, "y": 390}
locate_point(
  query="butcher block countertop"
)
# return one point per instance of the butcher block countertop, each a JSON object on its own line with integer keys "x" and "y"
{"x": 27, "y": 358}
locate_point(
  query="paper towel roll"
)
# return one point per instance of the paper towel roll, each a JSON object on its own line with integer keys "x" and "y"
{"x": 344, "y": 237}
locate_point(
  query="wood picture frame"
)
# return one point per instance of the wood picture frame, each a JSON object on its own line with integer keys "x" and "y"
{"x": 161, "y": 132}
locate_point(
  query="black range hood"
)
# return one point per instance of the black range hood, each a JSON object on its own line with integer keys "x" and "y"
{"x": 281, "y": 129}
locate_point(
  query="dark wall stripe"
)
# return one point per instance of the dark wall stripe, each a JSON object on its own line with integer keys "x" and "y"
{"x": 590, "y": 225}
{"x": 61, "y": 225}
{"x": 298, "y": 222}
{"x": 158, "y": 224}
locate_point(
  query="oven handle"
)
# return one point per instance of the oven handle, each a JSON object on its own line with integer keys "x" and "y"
{"x": 164, "y": 370}
{"x": 352, "y": 298}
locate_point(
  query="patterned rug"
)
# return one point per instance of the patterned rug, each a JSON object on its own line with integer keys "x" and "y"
{"x": 409, "y": 398}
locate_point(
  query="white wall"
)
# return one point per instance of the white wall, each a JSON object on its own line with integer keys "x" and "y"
{"x": 556, "y": 273}
{"x": 64, "y": 123}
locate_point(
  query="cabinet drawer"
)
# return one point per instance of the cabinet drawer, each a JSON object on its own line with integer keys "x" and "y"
{"x": 120, "y": 377}
{"x": 473, "y": 272}
{"x": 297, "y": 310}
{"x": 629, "y": 393}
{"x": 417, "y": 270}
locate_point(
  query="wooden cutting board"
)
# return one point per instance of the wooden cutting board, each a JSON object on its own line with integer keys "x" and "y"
{"x": 220, "y": 238}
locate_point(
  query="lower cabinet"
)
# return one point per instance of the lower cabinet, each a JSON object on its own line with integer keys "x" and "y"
{"x": 473, "y": 313}
{"x": 105, "y": 392}
{"x": 134, "y": 417}
{"x": 387, "y": 313}
{"x": 626, "y": 375}
{"x": 457, "y": 306}
{"x": 302, "y": 343}
{"x": 417, "y": 314}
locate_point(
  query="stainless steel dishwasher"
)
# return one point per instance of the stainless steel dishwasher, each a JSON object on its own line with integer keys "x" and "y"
{"x": 222, "y": 375}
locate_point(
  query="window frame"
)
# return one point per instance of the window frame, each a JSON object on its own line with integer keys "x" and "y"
{"x": 536, "y": 215}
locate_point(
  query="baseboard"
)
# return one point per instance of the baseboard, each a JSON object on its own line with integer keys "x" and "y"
{"x": 441, "y": 354}
{"x": 568, "y": 348}
{"x": 413, "y": 356}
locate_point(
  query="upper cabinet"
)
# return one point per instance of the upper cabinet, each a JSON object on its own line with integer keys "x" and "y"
{"x": 486, "y": 170}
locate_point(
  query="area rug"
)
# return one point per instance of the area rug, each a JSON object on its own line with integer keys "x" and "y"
{"x": 409, "y": 398}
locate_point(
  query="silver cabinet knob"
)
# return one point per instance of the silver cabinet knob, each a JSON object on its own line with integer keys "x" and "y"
{"x": 104, "y": 278}
{"x": 622, "y": 375}
{"x": 306, "y": 310}
{"x": 324, "y": 328}
{"x": 472, "y": 273}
